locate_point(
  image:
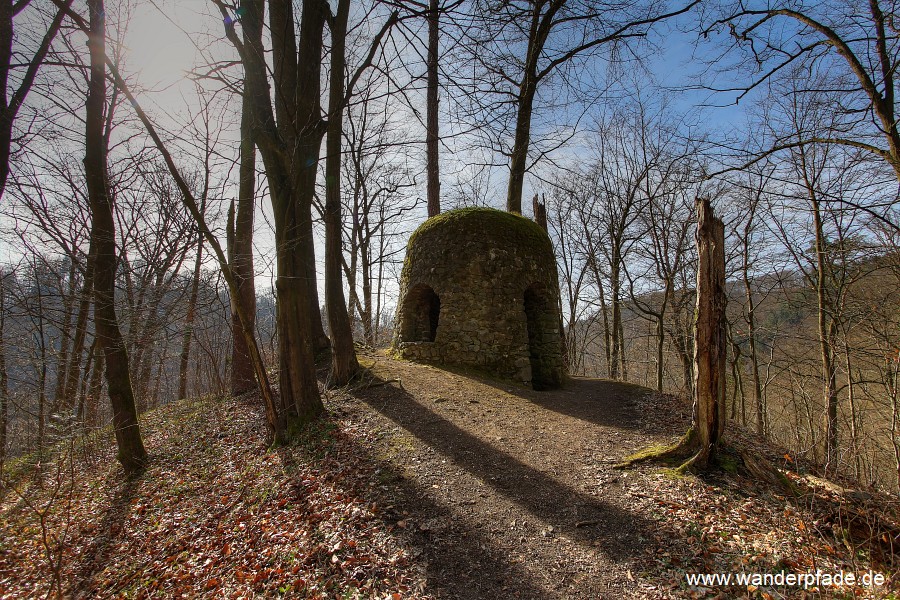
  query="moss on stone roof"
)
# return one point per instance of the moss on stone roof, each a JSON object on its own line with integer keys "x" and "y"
{"x": 489, "y": 222}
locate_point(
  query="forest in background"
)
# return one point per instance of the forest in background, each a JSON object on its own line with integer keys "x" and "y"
{"x": 238, "y": 203}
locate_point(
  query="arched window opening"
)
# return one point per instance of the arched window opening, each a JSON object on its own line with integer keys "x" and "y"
{"x": 421, "y": 313}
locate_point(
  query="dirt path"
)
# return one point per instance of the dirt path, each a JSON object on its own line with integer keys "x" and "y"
{"x": 508, "y": 493}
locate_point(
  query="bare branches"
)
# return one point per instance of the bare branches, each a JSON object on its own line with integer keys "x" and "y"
{"x": 852, "y": 62}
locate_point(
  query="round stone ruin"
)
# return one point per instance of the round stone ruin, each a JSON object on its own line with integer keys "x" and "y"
{"x": 479, "y": 289}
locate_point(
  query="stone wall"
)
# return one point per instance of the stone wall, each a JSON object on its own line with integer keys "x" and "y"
{"x": 479, "y": 288}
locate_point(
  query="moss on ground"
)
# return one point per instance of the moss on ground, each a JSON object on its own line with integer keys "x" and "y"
{"x": 643, "y": 454}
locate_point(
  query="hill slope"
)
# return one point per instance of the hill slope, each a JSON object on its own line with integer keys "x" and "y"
{"x": 423, "y": 483}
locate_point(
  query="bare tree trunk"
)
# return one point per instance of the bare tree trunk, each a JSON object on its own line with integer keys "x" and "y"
{"x": 683, "y": 349}
{"x": 367, "y": 316}
{"x": 660, "y": 351}
{"x": 95, "y": 387}
{"x": 378, "y": 293}
{"x": 157, "y": 383}
{"x": 758, "y": 399}
{"x": 432, "y": 135}
{"x": 144, "y": 360}
{"x": 519, "y": 159}
{"x": 892, "y": 384}
{"x": 826, "y": 330}
{"x": 854, "y": 413}
{"x": 661, "y": 335}
{"x": 615, "y": 354}
{"x": 604, "y": 312}
{"x": 291, "y": 192}
{"x": 4, "y": 377}
{"x": 701, "y": 441}
{"x": 709, "y": 344}
{"x": 538, "y": 32}
{"x": 83, "y": 388}
{"x": 131, "y": 453}
{"x": 65, "y": 338}
{"x": 540, "y": 212}
{"x": 242, "y": 377}
{"x": 344, "y": 364}
{"x": 737, "y": 394}
{"x": 185, "y": 356}
{"x": 42, "y": 377}
{"x": 73, "y": 373}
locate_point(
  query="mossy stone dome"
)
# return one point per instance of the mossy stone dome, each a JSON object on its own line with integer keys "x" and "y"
{"x": 479, "y": 288}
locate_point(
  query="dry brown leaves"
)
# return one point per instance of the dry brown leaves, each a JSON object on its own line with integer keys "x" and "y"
{"x": 216, "y": 514}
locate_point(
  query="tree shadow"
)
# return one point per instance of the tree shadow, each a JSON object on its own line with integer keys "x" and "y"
{"x": 602, "y": 402}
{"x": 97, "y": 552}
{"x": 587, "y": 521}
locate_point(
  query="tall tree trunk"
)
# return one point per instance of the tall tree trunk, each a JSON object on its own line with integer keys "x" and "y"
{"x": 310, "y": 131}
{"x": 709, "y": 344}
{"x": 432, "y": 134}
{"x": 616, "y": 351}
{"x": 737, "y": 393}
{"x": 4, "y": 377}
{"x": 157, "y": 381}
{"x": 82, "y": 389}
{"x": 519, "y": 159}
{"x": 660, "y": 348}
{"x": 710, "y": 338}
{"x": 538, "y": 32}
{"x": 750, "y": 319}
{"x": 185, "y": 357}
{"x": 42, "y": 360}
{"x": 73, "y": 372}
{"x": 320, "y": 339}
{"x": 91, "y": 400}
{"x": 604, "y": 310}
{"x": 661, "y": 335}
{"x": 131, "y": 453}
{"x": 344, "y": 364}
{"x": 826, "y": 331}
{"x": 758, "y": 400}
{"x": 297, "y": 137}
{"x": 854, "y": 413}
{"x": 241, "y": 250}
{"x": 278, "y": 184}
{"x": 293, "y": 141}
{"x": 6, "y": 116}
{"x": 65, "y": 339}
{"x": 144, "y": 362}
{"x": 298, "y": 308}
{"x": 367, "y": 314}
{"x": 379, "y": 291}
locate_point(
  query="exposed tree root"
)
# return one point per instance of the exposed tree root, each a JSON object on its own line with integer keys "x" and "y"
{"x": 684, "y": 456}
{"x": 680, "y": 453}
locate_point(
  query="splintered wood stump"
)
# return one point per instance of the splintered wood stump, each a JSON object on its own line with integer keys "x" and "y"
{"x": 540, "y": 212}
{"x": 709, "y": 345}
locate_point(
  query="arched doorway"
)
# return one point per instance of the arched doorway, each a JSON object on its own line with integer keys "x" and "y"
{"x": 421, "y": 313}
{"x": 543, "y": 339}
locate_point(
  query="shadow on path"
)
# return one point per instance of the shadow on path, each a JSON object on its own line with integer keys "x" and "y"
{"x": 589, "y": 522}
{"x": 599, "y": 401}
